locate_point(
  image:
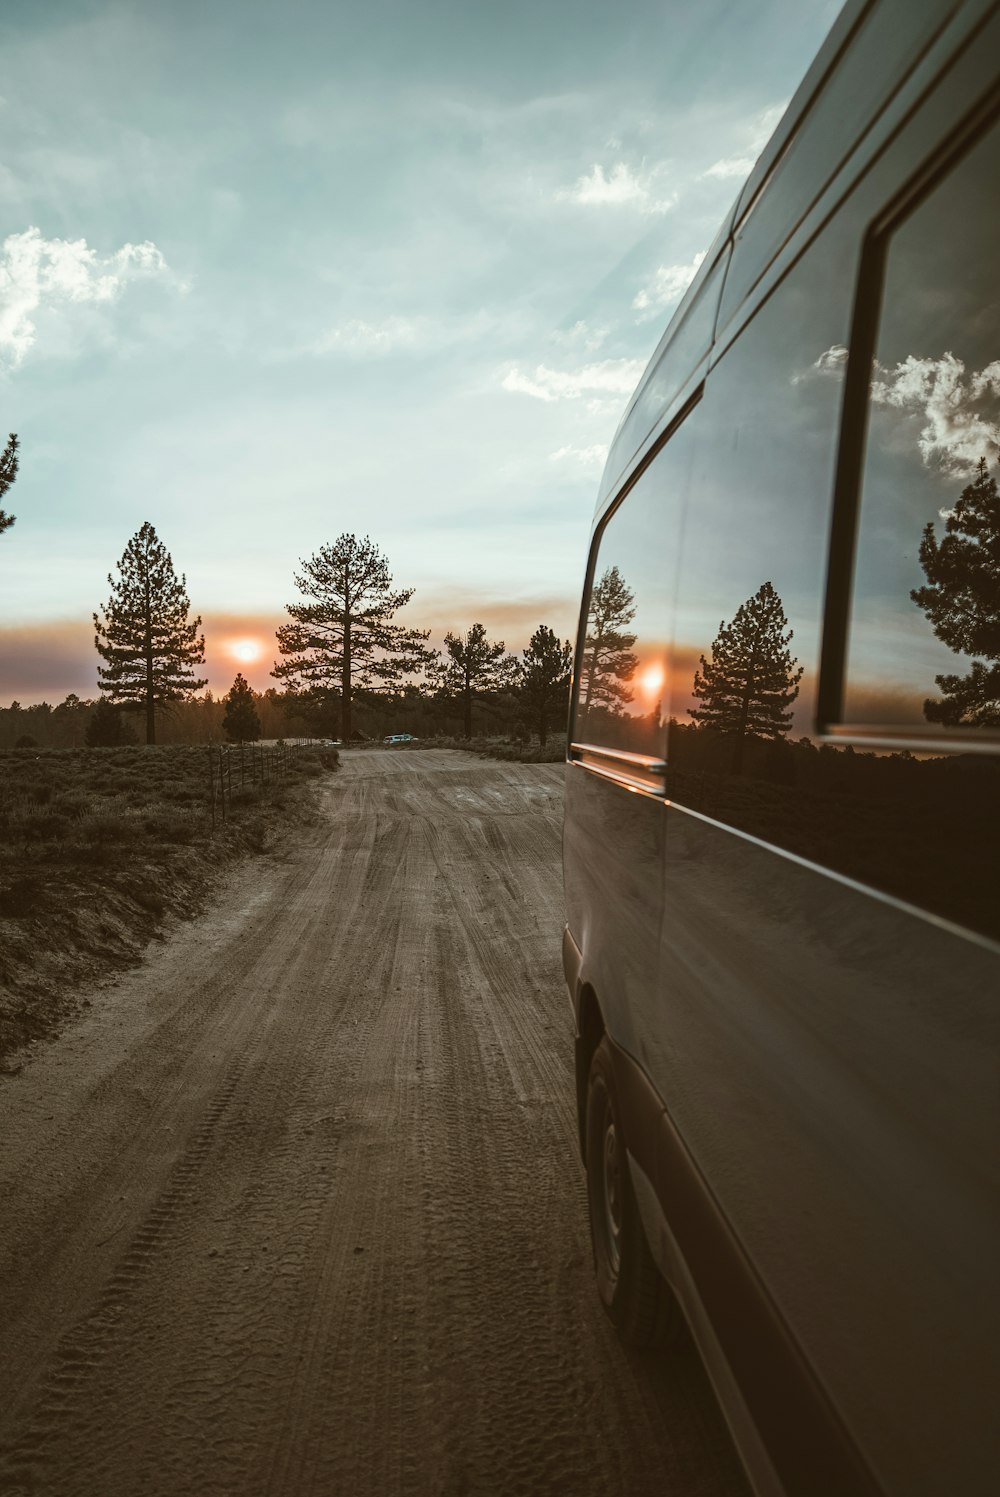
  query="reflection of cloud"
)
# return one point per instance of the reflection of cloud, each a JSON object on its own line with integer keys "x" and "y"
{"x": 959, "y": 412}
{"x": 831, "y": 363}
{"x": 624, "y": 188}
{"x": 589, "y": 459}
{"x": 668, "y": 285}
{"x": 614, "y": 376}
{"x": 36, "y": 272}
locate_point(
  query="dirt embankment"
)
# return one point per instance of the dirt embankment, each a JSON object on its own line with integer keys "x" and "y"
{"x": 296, "y": 1208}
{"x": 104, "y": 850}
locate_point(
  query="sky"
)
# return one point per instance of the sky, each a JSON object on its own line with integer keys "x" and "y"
{"x": 270, "y": 274}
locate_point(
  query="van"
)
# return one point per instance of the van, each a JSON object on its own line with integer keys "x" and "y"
{"x": 782, "y": 825}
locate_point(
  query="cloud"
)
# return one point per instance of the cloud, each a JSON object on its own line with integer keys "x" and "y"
{"x": 36, "y": 273}
{"x": 756, "y": 133}
{"x": 668, "y": 285}
{"x": 959, "y": 410}
{"x": 581, "y": 335}
{"x": 609, "y": 376}
{"x": 623, "y": 188}
{"x": 357, "y": 336}
{"x": 588, "y": 459}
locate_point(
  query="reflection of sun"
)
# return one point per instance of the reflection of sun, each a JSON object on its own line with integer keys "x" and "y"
{"x": 246, "y": 650}
{"x": 651, "y": 680}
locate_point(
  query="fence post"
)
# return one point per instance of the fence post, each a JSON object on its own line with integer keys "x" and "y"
{"x": 242, "y": 772}
{"x": 222, "y": 783}
{"x": 211, "y": 785}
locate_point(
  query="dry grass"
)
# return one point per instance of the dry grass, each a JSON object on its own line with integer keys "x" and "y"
{"x": 101, "y": 848}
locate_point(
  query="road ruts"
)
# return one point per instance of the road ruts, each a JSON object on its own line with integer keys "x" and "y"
{"x": 297, "y": 1209}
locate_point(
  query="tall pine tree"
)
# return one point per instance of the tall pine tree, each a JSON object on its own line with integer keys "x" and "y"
{"x": 751, "y": 681}
{"x": 962, "y": 602}
{"x": 607, "y": 663}
{"x": 342, "y": 637}
{"x": 145, "y": 637}
{"x": 240, "y": 721}
{"x": 544, "y": 678}
{"x": 473, "y": 664}
{"x": 8, "y": 472}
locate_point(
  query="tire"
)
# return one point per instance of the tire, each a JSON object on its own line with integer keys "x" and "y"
{"x": 634, "y": 1294}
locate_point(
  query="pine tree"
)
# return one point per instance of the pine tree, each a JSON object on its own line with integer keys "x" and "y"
{"x": 607, "y": 662}
{"x": 8, "y": 472}
{"x": 544, "y": 678}
{"x": 472, "y": 665}
{"x": 962, "y": 602}
{"x": 107, "y": 728}
{"x": 751, "y": 681}
{"x": 342, "y": 639}
{"x": 240, "y": 721}
{"x": 145, "y": 637}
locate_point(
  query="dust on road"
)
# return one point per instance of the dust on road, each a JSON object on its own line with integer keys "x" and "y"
{"x": 297, "y": 1208}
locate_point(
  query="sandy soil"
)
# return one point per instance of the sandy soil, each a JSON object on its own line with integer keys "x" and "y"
{"x": 296, "y": 1208}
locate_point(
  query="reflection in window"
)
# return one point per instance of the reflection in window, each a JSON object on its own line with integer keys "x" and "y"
{"x": 623, "y": 669}
{"x": 748, "y": 686}
{"x": 925, "y": 625}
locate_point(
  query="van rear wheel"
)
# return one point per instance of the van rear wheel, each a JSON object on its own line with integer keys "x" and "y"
{"x": 638, "y": 1301}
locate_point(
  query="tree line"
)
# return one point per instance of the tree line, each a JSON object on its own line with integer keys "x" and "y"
{"x": 342, "y": 653}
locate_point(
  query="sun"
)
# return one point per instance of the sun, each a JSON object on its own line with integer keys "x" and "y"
{"x": 650, "y": 681}
{"x": 245, "y": 650}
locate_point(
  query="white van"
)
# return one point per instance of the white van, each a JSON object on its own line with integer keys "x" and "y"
{"x": 782, "y": 835}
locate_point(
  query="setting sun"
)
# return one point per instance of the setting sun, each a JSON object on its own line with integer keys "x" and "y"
{"x": 245, "y": 650}
{"x": 651, "y": 680}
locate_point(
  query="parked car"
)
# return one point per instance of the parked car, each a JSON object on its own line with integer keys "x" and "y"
{"x": 783, "y": 788}
{"x": 400, "y": 738}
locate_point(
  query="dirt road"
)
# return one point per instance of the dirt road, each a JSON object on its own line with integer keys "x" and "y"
{"x": 297, "y": 1210}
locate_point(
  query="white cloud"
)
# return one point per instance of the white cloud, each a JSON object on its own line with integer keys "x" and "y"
{"x": 581, "y": 335}
{"x": 960, "y": 412}
{"x": 588, "y": 459}
{"x": 609, "y": 376}
{"x": 668, "y": 285}
{"x": 36, "y": 273}
{"x": 358, "y": 336}
{"x": 756, "y": 133}
{"x": 624, "y": 188}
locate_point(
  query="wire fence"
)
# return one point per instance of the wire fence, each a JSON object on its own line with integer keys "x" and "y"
{"x": 233, "y": 767}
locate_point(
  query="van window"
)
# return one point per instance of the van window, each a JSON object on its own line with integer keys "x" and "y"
{"x": 749, "y": 601}
{"x": 924, "y": 642}
{"x": 622, "y": 671}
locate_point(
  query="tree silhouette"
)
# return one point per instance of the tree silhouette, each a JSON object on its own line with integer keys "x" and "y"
{"x": 240, "y": 722}
{"x": 107, "y": 728}
{"x": 607, "y": 662}
{"x": 145, "y": 637}
{"x": 751, "y": 681}
{"x": 544, "y": 678}
{"x": 472, "y": 664}
{"x": 962, "y": 602}
{"x": 8, "y": 472}
{"x": 342, "y": 638}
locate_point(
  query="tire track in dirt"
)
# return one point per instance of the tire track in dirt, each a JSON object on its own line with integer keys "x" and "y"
{"x": 318, "y": 1226}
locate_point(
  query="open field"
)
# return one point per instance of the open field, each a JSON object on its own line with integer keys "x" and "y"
{"x": 101, "y": 849}
{"x": 296, "y": 1207}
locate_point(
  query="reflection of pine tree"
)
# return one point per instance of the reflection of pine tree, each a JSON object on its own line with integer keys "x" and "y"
{"x": 751, "y": 681}
{"x": 962, "y": 601}
{"x": 607, "y": 661}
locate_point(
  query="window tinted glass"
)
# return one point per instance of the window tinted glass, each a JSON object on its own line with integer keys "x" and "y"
{"x": 624, "y": 656}
{"x": 746, "y": 629}
{"x": 925, "y": 627}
